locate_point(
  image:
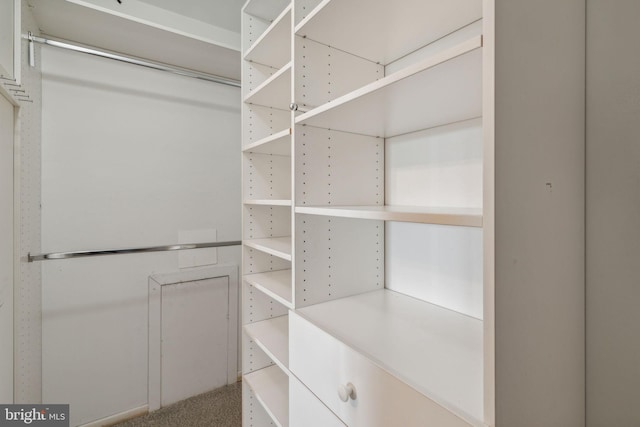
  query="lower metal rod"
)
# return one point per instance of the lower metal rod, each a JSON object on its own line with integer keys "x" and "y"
{"x": 179, "y": 247}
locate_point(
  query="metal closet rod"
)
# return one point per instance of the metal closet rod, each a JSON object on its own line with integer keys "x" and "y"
{"x": 178, "y": 247}
{"x": 130, "y": 60}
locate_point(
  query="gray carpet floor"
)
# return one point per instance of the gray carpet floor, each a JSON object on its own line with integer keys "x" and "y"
{"x": 218, "y": 408}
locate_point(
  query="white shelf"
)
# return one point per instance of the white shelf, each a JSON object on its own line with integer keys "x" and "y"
{"x": 273, "y": 47}
{"x": 142, "y": 30}
{"x": 383, "y": 31}
{"x": 274, "y": 92}
{"x": 272, "y": 336}
{"x": 444, "y": 88}
{"x": 438, "y": 352}
{"x": 276, "y": 284}
{"x": 278, "y": 144}
{"x": 469, "y": 217}
{"x": 267, "y": 10}
{"x": 271, "y": 387}
{"x": 277, "y": 246}
{"x": 268, "y": 202}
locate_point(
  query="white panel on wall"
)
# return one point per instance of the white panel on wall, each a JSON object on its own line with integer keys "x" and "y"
{"x": 130, "y": 157}
{"x": 6, "y": 250}
{"x": 194, "y": 338}
{"x": 436, "y": 167}
{"x": 438, "y": 264}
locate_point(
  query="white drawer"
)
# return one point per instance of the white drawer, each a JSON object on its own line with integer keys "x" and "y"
{"x": 305, "y": 410}
{"x": 323, "y": 364}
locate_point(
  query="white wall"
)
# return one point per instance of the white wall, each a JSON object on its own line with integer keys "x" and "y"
{"x": 6, "y": 250}
{"x": 131, "y": 157}
{"x": 613, "y": 213}
{"x": 539, "y": 213}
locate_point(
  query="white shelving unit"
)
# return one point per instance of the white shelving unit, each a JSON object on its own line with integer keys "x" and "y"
{"x": 273, "y": 92}
{"x": 276, "y": 246}
{"x": 468, "y": 217}
{"x": 268, "y": 202}
{"x": 441, "y": 89}
{"x": 267, "y": 209}
{"x": 272, "y": 336}
{"x": 277, "y": 144}
{"x": 276, "y": 284}
{"x": 271, "y": 388}
{"x": 434, "y": 350}
{"x": 369, "y": 168}
{"x": 272, "y": 48}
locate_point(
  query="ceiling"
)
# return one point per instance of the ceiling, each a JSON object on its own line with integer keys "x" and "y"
{"x": 221, "y": 13}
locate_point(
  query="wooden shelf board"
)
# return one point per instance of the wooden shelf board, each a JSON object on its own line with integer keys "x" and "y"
{"x": 266, "y": 10}
{"x": 271, "y": 387}
{"x": 278, "y": 144}
{"x": 468, "y": 217}
{"x": 277, "y": 246}
{"x": 437, "y": 351}
{"x": 275, "y": 91}
{"x": 272, "y": 336}
{"x": 383, "y": 31}
{"x": 444, "y": 88}
{"x": 268, "y": 202}
{"x": 273, "y": 47}
{"x": 277, "y": 284}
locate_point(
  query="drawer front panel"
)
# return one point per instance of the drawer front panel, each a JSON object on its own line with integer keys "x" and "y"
{"x": 305, "y": 410}
{"x": 323, "y": 364}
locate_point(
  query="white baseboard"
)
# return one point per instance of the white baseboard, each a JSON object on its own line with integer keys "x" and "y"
{"x": 116, "y": 418}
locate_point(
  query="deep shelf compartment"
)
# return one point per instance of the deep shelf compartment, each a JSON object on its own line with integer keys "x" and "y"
{"x": 276, "y": 284}
{"x": 444, "y": 88}
{"x": 277, "y": 246}
{"x": 273, "y": 92}
{"x": 437, "y": 351}
{"x": 277, "y": 144}
{"x": 272, "y": 336}
{"x": 383, "y": 31}
{"x": 273, "y": 47}
{"x": 267, "y": 10}
{"x": 271, "y": 387}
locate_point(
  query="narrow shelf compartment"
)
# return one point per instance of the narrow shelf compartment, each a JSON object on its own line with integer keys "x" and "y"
{"x": 268, "y": 202}
{"x": 444, "y": 88}
{"x": 276, "y": 284}
{"x": 273, "y": 47}
{"x": 278, "y": 144}
{"x": 276, "y": 246}
{"x": 271, "y": 387}
{"x": 437, "y": 351}
{"x": 274, "y": 92}
{"x": 468, "y": 217}
{"x": 272, "y": 336}
{"x": 384, "y": 31}
{"x": 267, "y": 10}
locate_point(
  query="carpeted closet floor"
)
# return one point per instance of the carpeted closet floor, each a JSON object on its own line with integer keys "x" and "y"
{"x": 217, "y": 408}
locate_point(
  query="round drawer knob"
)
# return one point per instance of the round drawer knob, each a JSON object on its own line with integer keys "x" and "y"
{"x": 346, "y": 391}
